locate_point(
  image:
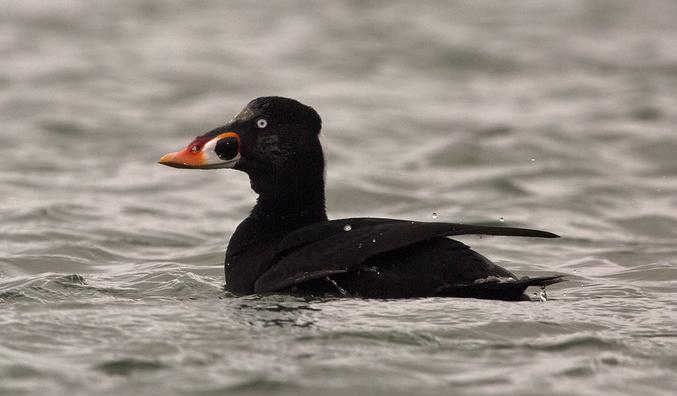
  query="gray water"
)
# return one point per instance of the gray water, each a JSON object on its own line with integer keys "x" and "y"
{"x": 552, "y": 115}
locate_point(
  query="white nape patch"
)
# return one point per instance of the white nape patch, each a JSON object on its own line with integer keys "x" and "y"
{"x": 244, "y": 115}
{"x": 323, "y": 144}
{"x": 213, "y": 160}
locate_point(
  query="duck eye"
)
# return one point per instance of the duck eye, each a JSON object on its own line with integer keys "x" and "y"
{"x": 227, "y": 148}
{"x": 261, "y": 123}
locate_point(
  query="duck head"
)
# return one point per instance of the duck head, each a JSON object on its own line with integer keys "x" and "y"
{"x": 273, "y": 139}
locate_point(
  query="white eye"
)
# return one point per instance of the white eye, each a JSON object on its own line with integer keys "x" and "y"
{"x": 261, "y": 123}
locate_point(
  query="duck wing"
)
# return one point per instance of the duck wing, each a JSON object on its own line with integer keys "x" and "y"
{"x": 336, "y": 246}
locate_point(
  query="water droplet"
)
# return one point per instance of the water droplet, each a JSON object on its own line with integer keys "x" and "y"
{"x": 347, "y": 227}
{"x": 533, "y": 160}
{"x": 373, "y": 240}
{"x": 435, "y": 215}
{"x": 501, "y": 219}
{"x": 543, "y": 296}
{"x": 359, "y": 246}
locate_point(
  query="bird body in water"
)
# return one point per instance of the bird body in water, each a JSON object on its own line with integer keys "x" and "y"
{"x": 288, "y": 245}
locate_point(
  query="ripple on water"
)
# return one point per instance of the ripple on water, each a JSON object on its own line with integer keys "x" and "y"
{"x": 653, "y": 227}
{"x": 54, "y": 213}
{"x": 130, "y": 366}
{"x": 158, "y": 282}
{"x": 394, "y": 337}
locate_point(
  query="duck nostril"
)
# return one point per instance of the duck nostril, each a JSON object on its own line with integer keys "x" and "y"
{"x": 227, "y": 148}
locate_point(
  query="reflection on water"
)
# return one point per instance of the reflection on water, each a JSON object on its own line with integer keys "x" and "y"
{"x": 261, "y": 312}
{"x": 557, "y": 116}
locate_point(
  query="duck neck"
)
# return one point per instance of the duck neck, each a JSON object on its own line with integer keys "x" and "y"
{"x": 291, "y": 204}
{"x": 284, "y": 205}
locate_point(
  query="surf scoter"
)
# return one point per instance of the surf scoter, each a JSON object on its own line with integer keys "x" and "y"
{"x": 287, "y": 244}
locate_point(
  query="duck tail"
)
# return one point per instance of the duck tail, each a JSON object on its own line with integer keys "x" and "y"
{"x": 497, "y": 288}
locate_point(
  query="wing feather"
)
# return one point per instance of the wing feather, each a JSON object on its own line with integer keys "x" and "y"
{"x": 336, "y": 246}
